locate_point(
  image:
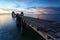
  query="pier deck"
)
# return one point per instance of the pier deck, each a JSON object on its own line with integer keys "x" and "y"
{"x": 49, "y": 30}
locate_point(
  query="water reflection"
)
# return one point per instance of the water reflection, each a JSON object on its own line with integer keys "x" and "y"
{"x": 5, "y": 20}
{"x": 52, "y": 17}
{"x": 8, "y": 29}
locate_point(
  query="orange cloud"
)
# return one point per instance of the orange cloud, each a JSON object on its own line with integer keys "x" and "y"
{"x": 44, "y": 10}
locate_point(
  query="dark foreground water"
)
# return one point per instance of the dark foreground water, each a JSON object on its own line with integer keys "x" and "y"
{"x": 9, "y": 31}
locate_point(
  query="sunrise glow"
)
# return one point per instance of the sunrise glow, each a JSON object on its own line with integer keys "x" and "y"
{"x": 2, "y": 11}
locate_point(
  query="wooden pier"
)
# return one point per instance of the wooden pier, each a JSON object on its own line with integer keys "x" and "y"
{"x": 49, "y": 30}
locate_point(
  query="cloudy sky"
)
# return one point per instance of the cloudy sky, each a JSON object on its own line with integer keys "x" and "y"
{"x": 23, "y": 4}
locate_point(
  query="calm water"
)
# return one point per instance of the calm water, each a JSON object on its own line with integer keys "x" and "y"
{"x": 52, "y": 17}
{"x": 9, "y": 31}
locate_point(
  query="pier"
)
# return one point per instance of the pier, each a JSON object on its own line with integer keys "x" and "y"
{"x": 29, "y": 19}
{"x": 49, "y": 30}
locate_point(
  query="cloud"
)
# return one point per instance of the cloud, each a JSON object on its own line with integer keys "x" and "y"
{"x": 23, "y": 4}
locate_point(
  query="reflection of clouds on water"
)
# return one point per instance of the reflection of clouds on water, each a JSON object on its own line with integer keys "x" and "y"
{"x": 5, "y": 20}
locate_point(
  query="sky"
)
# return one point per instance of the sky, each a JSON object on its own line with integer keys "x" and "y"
{"x": 27, "y": 4}
{"x": 23, "y": 4}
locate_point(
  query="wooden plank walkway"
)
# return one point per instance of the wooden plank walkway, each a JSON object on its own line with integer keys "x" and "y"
{"x": 49, "y": 30}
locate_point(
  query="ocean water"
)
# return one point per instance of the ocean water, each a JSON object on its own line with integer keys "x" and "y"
{"x": 52, "y": 17}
